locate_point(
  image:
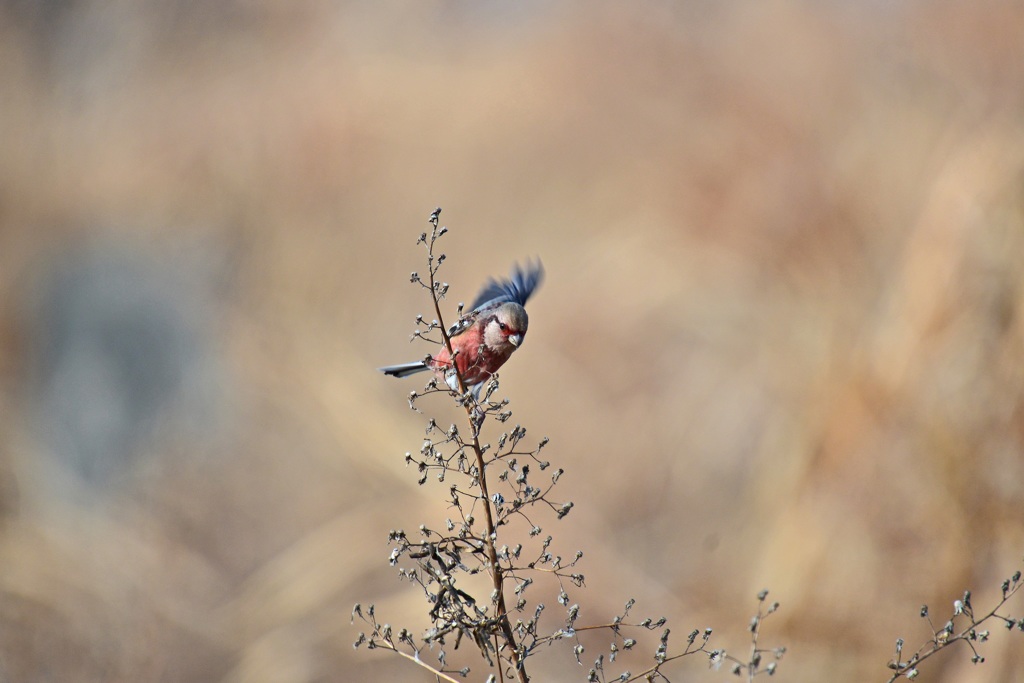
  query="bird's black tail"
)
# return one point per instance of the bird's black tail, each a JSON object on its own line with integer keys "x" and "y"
{"x": 404, "y": 369}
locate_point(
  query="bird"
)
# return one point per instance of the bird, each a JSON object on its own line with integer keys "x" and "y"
{"x": 486, "y": 337}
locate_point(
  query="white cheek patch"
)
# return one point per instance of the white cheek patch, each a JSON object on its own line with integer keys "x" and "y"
{"x": 492, "y": 336}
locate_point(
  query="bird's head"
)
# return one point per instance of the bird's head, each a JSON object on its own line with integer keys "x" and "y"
{"x": 506, "y": 327}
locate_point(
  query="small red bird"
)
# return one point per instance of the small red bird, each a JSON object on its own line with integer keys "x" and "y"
{"x": 485, "y": 337}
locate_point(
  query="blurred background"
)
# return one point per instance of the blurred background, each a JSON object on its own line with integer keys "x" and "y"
{"x": 780, "y": 344}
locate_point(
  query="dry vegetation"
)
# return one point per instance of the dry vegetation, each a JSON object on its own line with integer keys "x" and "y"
{"x": 781, "y": 342}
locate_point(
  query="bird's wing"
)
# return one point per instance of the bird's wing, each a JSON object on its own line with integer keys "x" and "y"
{"x": 463, "y": 323}
{"x": 518, "y": 288}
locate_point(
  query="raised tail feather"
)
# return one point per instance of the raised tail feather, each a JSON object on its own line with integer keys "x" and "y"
{"x": 404, "y": 369}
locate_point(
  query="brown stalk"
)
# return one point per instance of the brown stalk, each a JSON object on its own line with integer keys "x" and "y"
{"x": 497, "y": 576}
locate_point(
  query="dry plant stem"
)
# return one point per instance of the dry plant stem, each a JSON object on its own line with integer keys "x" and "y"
{"x": 752, "y": 668}
{"x": 752, "y": 671}
{"x": 656, "y": 669}
{"x": 938, "y": 645}
{"x": 416, "y": 660}
{"x": 497, "y": 577}
{"x": 455, "y": 611}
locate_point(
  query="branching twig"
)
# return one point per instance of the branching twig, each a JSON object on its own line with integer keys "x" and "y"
{"x": 498, "y": 483}
{"x": 494, "y": 568}
{"x": 948, "y": 634}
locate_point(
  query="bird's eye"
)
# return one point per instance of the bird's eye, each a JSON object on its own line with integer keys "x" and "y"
{"x": 503, "y": 326}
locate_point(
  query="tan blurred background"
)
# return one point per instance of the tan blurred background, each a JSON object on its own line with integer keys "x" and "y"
{"x": 781, "y": 341}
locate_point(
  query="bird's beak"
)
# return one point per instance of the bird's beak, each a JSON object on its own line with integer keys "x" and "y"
{"x": 515, "y": 339}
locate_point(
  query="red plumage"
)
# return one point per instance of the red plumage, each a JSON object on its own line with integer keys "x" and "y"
{"x": 487, "y": 336}
{"x": 475, "y": 360}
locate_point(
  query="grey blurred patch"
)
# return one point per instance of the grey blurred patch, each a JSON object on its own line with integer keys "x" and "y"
{"x": 121, "y": 350}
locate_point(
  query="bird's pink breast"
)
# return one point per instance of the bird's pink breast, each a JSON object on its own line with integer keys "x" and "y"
{"x": 475, "y": 361}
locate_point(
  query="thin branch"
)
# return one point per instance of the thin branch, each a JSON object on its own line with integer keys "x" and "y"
{"x": 492, "y": 555}
{"x": 944, "y": 638}
{"x": 437, "y": 672}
